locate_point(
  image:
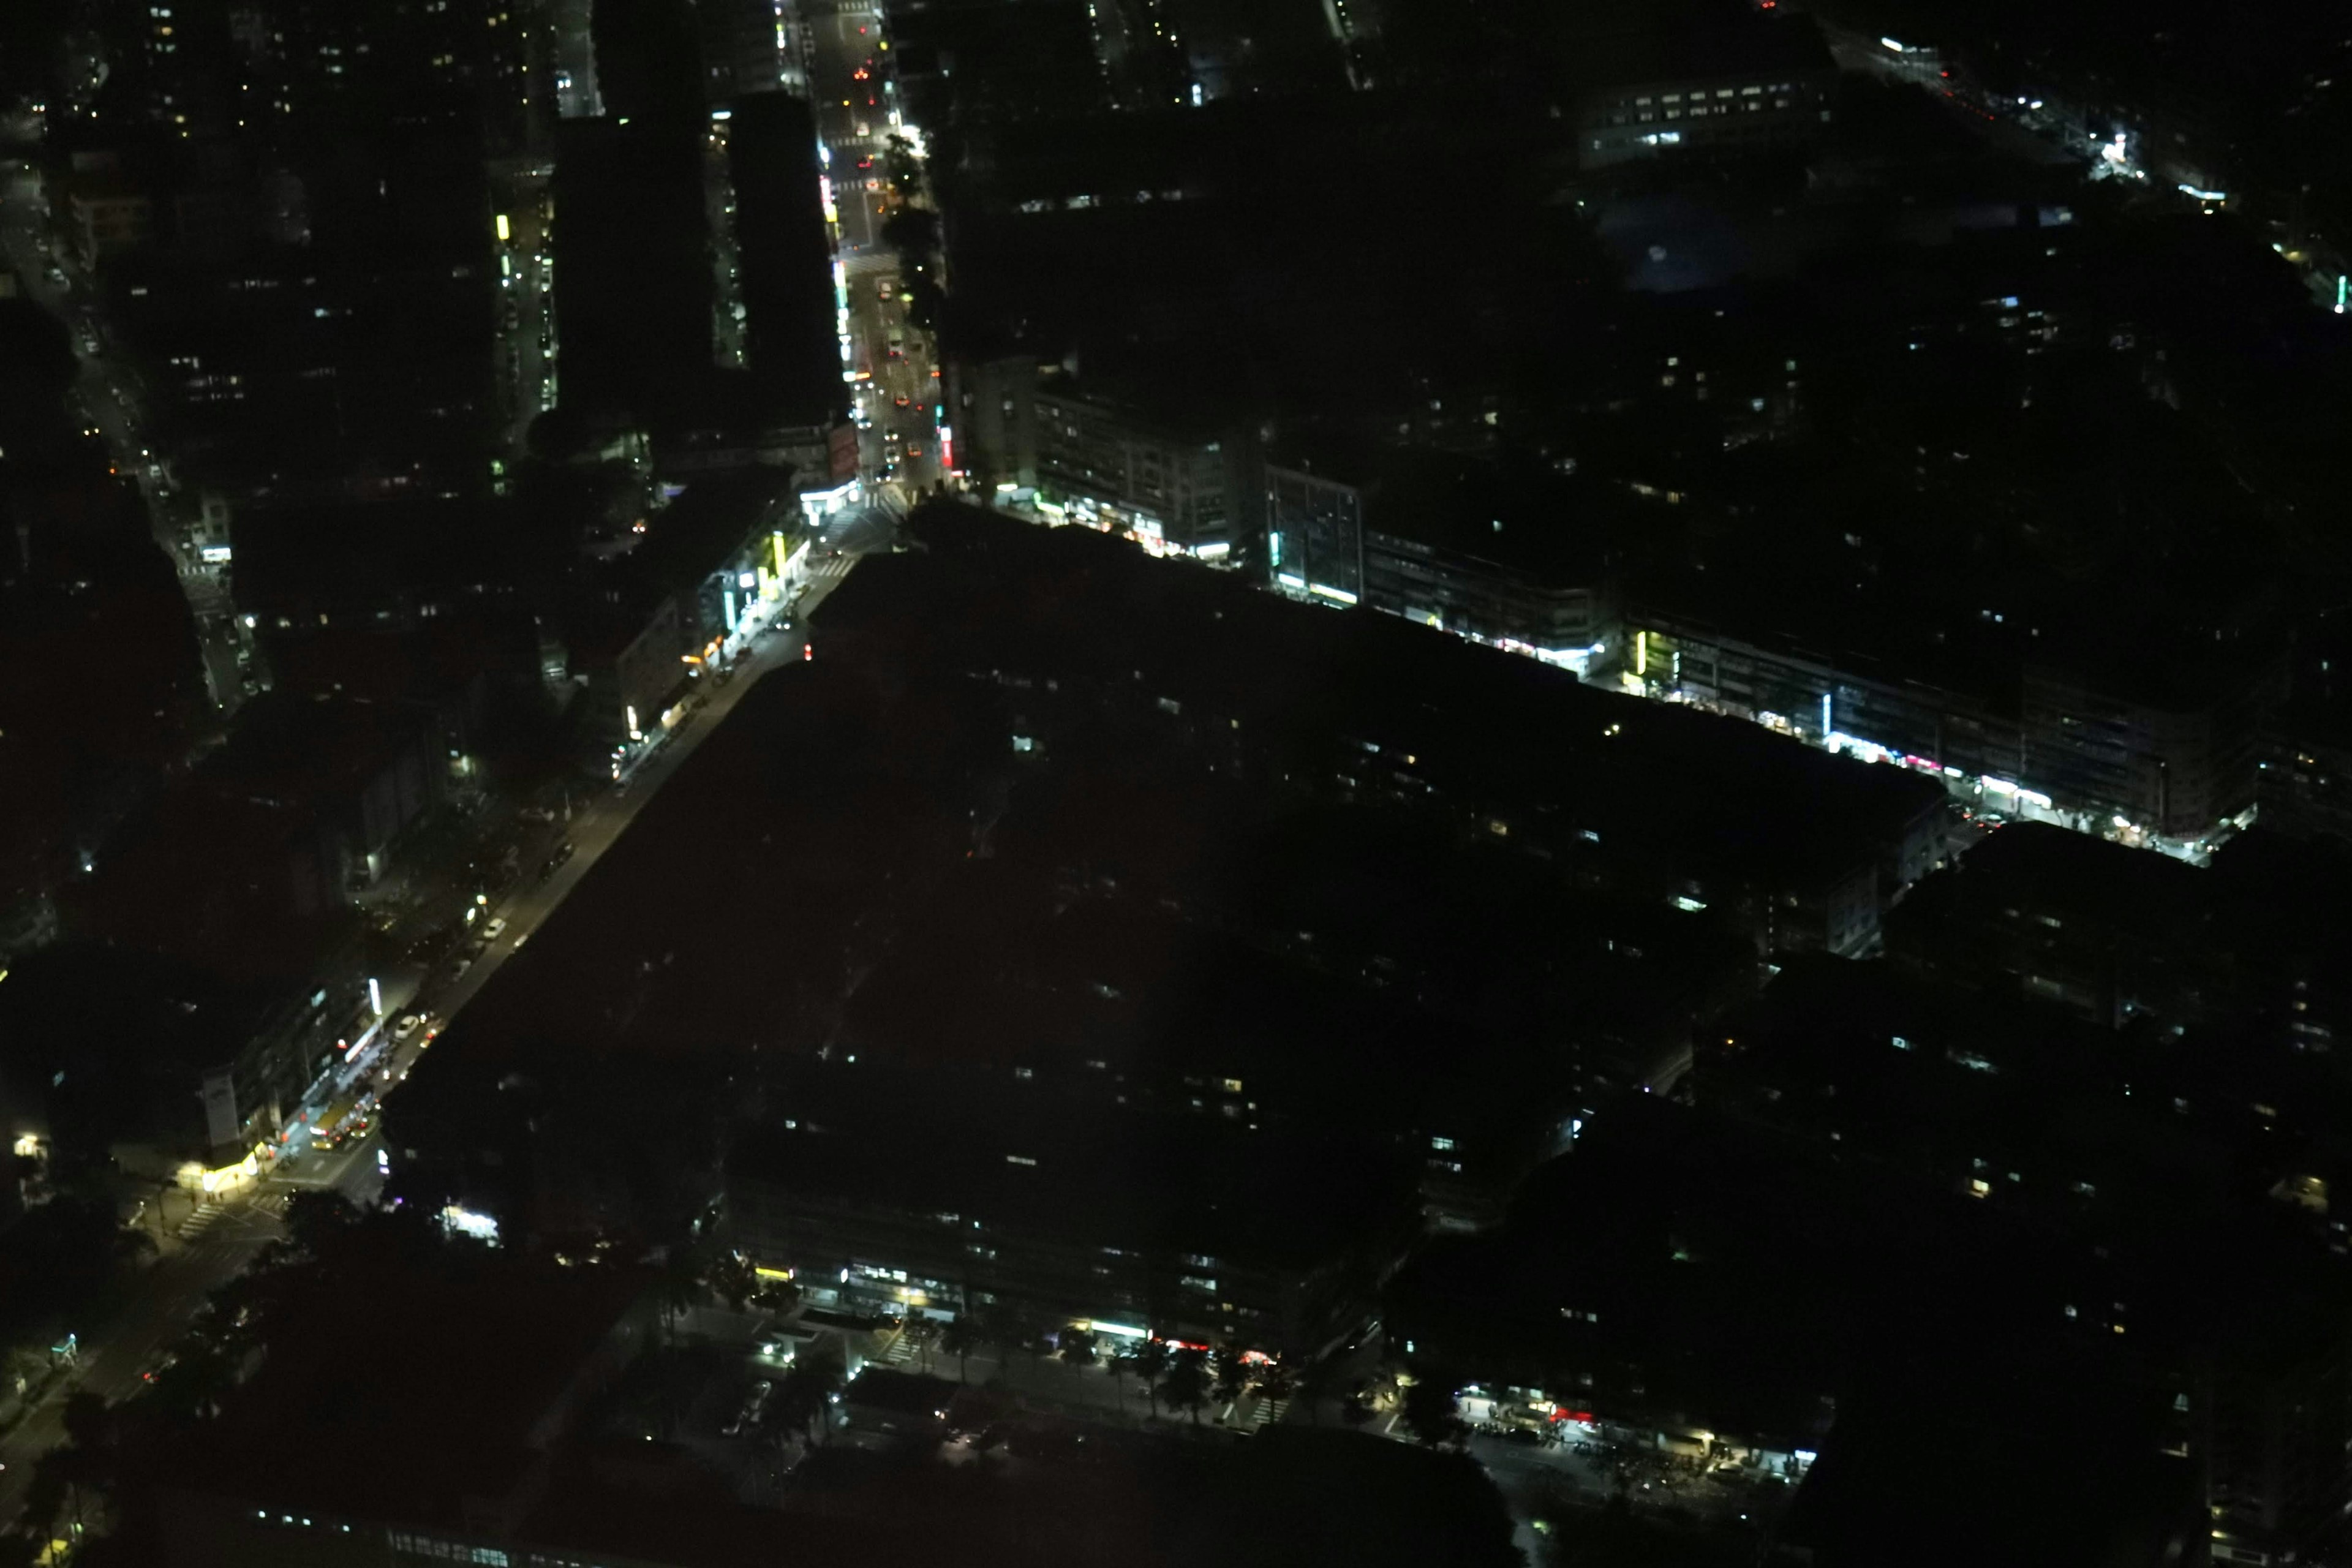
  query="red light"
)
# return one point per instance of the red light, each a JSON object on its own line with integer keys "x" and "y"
{"x": 808, "y": 650}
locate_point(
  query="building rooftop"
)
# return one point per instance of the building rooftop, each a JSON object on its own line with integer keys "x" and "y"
{"x": 413, "y": 1384}
{"x": 1027, "y": 765}
{"x": 1046, "y": 1167}
{"x": 907, "y": 1393}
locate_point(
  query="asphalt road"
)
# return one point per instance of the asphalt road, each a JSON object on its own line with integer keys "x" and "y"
{"x": 176, "y": 1284}
{"x": 897, "y": 399}
{"x": 207, "y": 1249}
{"x": 110, "y": 401}
{"x": 526, "y": 349}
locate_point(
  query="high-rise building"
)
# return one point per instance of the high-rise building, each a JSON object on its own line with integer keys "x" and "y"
{"x": 632, "y": 287}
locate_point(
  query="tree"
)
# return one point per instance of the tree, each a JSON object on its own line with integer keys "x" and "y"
{"x": 1150, "y": 1360}
{"x": 1232, "y": 1373}
{"x": 1120, "y": 1361}
{"x": 680, "y": 1285}
{"x": 1317, "y": 1382}
{"x": 913, "y": 233}
{"x": 1080, "y": 1347}
{"x": 1430, "y": 1412}
{"x": 192, "y": 1386}
{"x": 89, "y": 1422}
{"x": 1274, "y": 1382}
{"x": 734, "y": 1279}
{"x": 960, "y": 1337}
{"x": 314, "y": 1214}
{"x": 906, "y": 173}
{"x": 927, "y": 301}
{"x": 1186, "y": 1386}
{"x": 807, "y": 1394}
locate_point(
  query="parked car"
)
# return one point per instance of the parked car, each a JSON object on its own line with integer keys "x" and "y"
{"x": 495, "y": 929}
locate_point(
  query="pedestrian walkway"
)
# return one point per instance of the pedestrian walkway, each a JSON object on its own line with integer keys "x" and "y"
{"x": 204, "y": 1219}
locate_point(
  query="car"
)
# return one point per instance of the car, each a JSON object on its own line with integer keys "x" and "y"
{"x": 537, "y": 814}
{"x": 409, "y": 1024}
{"x": 495, "y": 929}
{"x": 459, "y": 965}
{"x": 754, "y": 1407}
{"x": 555, "y": 862}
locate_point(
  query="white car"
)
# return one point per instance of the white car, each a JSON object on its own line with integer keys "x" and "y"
{"x": 495, "y": 929}
{"x": 407, "y": 1026}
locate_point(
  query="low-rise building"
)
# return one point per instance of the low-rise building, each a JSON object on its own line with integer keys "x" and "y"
{"x": 1677, "y": 87}
{"x": 457, "y": 1436}
{"x": 885, "y": 1407}
{"x": 1169, "y": 483}
{"x": 1054, "y": 1211}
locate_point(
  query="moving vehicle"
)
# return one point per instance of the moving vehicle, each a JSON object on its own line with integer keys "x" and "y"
{"x": 408, "y": 1025}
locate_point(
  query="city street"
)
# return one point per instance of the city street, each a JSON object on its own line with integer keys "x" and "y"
{"x": 109, "y": 402}
{"x": 177, "y": 1282}
{"x": 526, "y": 339}
{"x": 898, "y": 398}
{"x": 204, "y": 1248}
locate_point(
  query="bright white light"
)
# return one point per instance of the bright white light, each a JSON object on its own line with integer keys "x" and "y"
{"x": 480, "y": 1227}
{"x": 1121, "y": 1331}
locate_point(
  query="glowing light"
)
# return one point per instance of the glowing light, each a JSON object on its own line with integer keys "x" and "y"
{"x": 1116, "y": 1331}
{"x": 504, "y": 233}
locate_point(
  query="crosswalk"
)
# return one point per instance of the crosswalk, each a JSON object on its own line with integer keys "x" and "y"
{"x": 206, "y": 1216}
{"x": 1269, "y": 1411}
{"x": 835, "y": 566}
